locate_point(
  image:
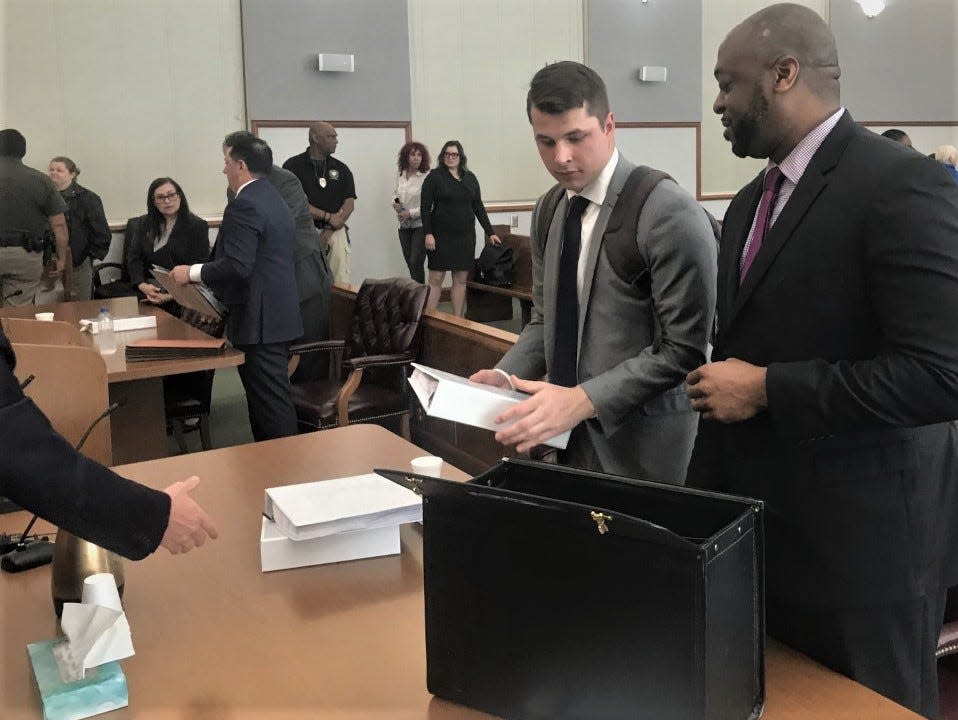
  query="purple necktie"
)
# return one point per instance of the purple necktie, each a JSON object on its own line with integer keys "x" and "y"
{"x": 770, "y": 187}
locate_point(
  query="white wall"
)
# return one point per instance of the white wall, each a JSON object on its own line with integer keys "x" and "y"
{"x": 129, "y": 90}
{"x": 370, "y": 153}
{"x": 470, "y": 65}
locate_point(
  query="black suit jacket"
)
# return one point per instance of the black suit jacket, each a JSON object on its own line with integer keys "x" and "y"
{"x": 40, "y": 471}
{"x": 252, "y": 268}
{"x": 852, "y": 304}
{"x": 189, "y": 243}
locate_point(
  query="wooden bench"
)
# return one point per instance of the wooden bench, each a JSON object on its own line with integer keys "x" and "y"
{"x": 488, "y": 302}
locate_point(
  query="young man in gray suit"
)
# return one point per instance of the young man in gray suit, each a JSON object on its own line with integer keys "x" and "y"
{"x": 614, "y": 355}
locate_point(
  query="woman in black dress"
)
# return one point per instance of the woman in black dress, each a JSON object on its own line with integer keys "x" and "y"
{"x": 168, "y": 235}
{"x": 451, "y": 204}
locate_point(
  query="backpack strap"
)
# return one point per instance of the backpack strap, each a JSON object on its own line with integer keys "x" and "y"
{"x": 547, "y": 210}
{"x": 619, "y": 237}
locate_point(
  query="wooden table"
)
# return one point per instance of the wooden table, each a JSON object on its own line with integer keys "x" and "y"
{"x": 216, "y": 639}
{"x": 139, "y": 426}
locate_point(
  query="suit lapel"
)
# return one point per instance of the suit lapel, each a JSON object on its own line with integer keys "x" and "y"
{"x": 810, "y": 186}
{"x": 622, "y": 170}
{"x": 734, "y": 232}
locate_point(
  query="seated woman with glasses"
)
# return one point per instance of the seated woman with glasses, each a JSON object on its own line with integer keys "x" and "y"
{"x": 451, "y": 204}
{"x": 168, "y": 235}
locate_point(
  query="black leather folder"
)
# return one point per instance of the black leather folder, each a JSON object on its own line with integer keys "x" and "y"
{"x": 557, "y": 593}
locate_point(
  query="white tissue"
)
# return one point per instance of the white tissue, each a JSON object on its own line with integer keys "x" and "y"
{"x": 96, "y": 634}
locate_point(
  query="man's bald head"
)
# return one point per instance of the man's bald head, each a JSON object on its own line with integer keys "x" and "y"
{"x": 777, "y": 74}
{"x": 322, "y": 138}
{"x": 787, "y": 29}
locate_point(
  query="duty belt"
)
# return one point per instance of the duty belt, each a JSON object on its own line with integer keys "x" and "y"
{"x": 20, "y": 238}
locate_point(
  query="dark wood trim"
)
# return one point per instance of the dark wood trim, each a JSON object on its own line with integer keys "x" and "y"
{"x": 515, "y": 207}
{"x": 406, "y": 125}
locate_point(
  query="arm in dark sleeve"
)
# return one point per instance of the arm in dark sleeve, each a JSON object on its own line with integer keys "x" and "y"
{"x": 133, "y": 240}
{"x": 228, "y": 276}
{"x": 40, "y": 471}
{"x": 911, "y": 259}
{"x": 196, "y": 243}
{"x": 426, "y": 200}
{"x": 480, "y": 210}
{"x": 100, "y": 235}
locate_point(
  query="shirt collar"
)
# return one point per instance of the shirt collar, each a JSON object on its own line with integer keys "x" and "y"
{"x": 596, "y": 190}
{"x": 240, "y": 188}
{"x": 796, "y": 162}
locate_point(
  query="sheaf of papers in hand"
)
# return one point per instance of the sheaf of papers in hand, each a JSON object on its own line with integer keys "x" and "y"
{"x": 361, "y": 502}
{"x": 192, "y": 295}
{"x": 95, "y": 635}
{"x": 451, "y": 397}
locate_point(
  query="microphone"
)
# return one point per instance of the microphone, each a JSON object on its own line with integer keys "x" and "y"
{"x": 25, "y": 552}
{"x": 27, "y": 380}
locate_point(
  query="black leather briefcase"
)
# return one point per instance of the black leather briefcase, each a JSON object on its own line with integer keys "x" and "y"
{"x": 557, "y": 593}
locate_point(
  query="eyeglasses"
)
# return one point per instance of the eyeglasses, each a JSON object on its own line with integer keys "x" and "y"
{"x": 169, "y": 197}
{"x": 451, "y": 154}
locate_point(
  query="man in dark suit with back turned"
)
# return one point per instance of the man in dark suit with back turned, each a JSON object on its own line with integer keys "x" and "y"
{"x": 314, "y": 280}
{"x": 252, "y": 274}
{"x": 835, "y": 367}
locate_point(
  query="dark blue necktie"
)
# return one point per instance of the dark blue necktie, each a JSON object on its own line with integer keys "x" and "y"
{"x": 563, "y": 370}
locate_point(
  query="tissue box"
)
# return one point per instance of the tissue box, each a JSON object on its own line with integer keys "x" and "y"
{"x": 102, "y": 690}
{"x": 278, "y": 552}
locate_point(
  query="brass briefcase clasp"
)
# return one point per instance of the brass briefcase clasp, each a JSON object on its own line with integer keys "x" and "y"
{"x": 600, "y": 520}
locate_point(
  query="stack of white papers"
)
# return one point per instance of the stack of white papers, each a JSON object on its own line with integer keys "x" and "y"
{"x": 319, "y": 509}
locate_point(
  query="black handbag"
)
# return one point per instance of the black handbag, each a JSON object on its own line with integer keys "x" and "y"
{"x": 496, "y": 266}
{"x": 556, "y": 593}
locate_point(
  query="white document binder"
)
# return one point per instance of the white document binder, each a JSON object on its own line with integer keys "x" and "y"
{"x": 450, "y": 397}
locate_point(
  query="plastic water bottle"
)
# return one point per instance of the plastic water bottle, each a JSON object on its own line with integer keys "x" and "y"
{"x": 107, "y": 338}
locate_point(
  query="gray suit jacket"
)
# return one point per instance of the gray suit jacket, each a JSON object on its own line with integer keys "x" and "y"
{"x": 644, "y": 426}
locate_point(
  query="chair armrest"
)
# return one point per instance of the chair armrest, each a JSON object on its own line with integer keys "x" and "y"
{"x": 948, "y": 640}
{"x": 317, "y": 346}
{"x": 378, "y": 361}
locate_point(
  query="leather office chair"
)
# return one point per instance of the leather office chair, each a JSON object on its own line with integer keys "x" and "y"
{"x": 382, "y": 340}
{"x": 947, "y": 654}
{"x": 187, "y": 397}
{"x": 111, "y": 279}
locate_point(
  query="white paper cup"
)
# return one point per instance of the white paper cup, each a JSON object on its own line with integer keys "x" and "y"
{"x": 100, "y": 589}
{"x": 427, "y": 465}
{"x": 46, "y": 317}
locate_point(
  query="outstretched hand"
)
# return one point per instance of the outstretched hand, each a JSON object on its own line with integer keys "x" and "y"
{"x": 189, "y": 525}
